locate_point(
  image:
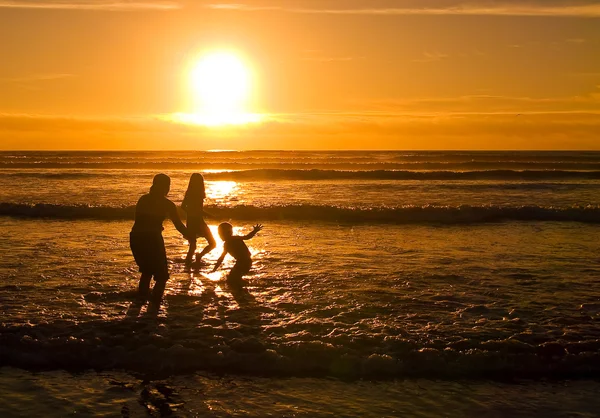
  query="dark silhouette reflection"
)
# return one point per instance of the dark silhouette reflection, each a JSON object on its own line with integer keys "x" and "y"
{"x": 187, "y": 334}
{"x": 193, "y": 204}
{"x": 146, "y": 241}
{"x": 134, "y": 309}
{"x": 153, "y": 309}
{"x": 158, "y": 397}
{"x": 240, "y": 293}
{"x": 139, "y": 309}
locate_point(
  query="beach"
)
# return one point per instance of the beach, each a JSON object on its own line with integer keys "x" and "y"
{"x": 384, "y": 284}
{"x": 109, "y": 394}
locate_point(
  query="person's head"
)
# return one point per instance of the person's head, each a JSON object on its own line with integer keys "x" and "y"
{"x": 196, "y": 187}
{"x": 225, "y": 230}
{"x": 161, "y": 184}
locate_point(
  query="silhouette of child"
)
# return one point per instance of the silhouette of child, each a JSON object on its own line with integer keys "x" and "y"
{"x": 193, "y": 204}
{"x": 236, "y": 246}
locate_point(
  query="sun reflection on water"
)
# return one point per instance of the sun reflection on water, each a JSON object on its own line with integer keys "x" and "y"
{"x": 196, "y": 288}
{"x": 222, "y": 190}
{"x": 214, "y": 276}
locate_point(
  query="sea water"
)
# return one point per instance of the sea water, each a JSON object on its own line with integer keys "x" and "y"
{"x": 373, "y": 268}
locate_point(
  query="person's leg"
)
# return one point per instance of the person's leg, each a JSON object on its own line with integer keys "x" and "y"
{"x": 212, "y": 244}
{"x": 159, "y": 288}
{"x": 138, "y": 244}
{"x": 239, "y": 270}
{"x": 144, "y": 285}
{"x": 190, "y": 254}
{"x": 161, "y": 273}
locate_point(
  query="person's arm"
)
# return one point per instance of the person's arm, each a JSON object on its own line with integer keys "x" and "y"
{"x": 210, "y": 215}
{"x": 257, "y": 228}
{"x": 205, "y": 213}
{"x": 174, "y": 216}
{"x": 220, "y": 260}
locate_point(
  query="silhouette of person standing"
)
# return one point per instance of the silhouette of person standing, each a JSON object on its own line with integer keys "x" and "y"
{"x": 193, "y": 204}
{"x": 146, "y": 240}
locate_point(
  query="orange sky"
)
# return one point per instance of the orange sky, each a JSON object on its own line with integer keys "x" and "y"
{"x": 334, "y": 74}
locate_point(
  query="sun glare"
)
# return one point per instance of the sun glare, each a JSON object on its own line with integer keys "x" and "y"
{"x": 221, "y": 87}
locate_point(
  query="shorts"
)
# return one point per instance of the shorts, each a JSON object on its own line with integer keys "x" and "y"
{"x": 199, "y": 228}
{"x": 240, "y": 269}
{"x": 149, "y": 253}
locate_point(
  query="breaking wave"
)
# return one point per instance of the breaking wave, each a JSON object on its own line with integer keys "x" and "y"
{"x": 402, "y": 175}
{"x": 465, "y": 214}
{"x": 135, "y": 346}
{"x": 321, "y": 174}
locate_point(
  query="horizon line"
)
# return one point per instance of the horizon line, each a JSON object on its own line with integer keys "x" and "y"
{"x": 304, "y": 150}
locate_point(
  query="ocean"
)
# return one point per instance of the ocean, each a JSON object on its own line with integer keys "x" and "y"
{"x": 385, "y": 283}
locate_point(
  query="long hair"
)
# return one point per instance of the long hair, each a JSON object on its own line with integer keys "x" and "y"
{"x": 195, "y": 188}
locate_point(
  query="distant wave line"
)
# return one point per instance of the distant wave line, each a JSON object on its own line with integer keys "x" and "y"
{"x": 320, "y": 174}
{"x": 465, "y": 214}
{"x": 301, "y": 164}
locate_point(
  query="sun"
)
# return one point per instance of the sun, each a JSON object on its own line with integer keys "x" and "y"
{"x": 221, "y": 85}
{"x": 221, "y": 82}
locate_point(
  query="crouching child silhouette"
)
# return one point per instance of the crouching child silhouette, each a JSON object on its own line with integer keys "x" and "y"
{"x": 236, "y": 246}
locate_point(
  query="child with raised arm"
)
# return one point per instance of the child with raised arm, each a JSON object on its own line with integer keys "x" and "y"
{"x": 193, "y": 204}
{"x": 236, "y": 246}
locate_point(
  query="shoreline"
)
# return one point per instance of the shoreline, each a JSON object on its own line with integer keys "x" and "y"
{"x": 121, "y": 394}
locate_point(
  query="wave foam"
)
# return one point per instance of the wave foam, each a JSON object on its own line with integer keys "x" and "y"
{"x": 29, "y": 347}
{"x": 331, "y": 174}
{"x": 465, "y": 214}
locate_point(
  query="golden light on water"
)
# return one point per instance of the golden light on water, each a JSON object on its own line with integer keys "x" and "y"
{"x": 221, "y": 84}
{"x": 215, "y": 276}
{"x": 219, "y": 190}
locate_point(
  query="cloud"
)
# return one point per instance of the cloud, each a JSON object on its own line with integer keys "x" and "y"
{"x": 465, "y": 122}
{"x": 576, "y": 41}
{"x": 586, "y": 10}
{"x": 331, "y": 59}
{"x": 391, "y": 129}
{"x": 488, "y": 105}
{"x": 318, "y": 55}
{"x": 35, "y": 77}
{"x": 432, "y": 57}
{"x": 90, "y": 5}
